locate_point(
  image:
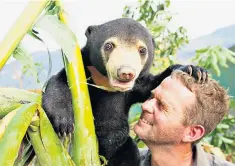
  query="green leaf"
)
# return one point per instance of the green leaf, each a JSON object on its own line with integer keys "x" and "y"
{"x": 15, "y": 131}
{"x": 227, "y": 140}
{"x": 18, "y": 30}
{"x": 203, "y": 50}
{"x": 37, "y": 35}
{"x": 4, "y": 122}
{"x": 222, "y": 59}
{"x": 48, "y": 148}
{"x": 229, "y": 51}
{"x": 25, "y": 58}
{"x": 223, "y": 126}
{"x": 141, "y": 144}
{"x": 12, "y": 98}
{"x": 53, "y": 27}
{"x": 168, "y": 2}
{"x": 230, "y": 57}
{"x": 52, "y": 8}
{"x": 232, "y": 103}
{"x": 214, "y": 63}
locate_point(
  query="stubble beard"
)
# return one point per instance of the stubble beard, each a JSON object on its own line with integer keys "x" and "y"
{"x": 162, "y": 138}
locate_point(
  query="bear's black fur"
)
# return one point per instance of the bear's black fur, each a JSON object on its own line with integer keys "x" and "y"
{"x": 110, "y": 109}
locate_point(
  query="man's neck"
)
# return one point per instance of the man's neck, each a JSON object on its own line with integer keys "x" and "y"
{"x": 174, "y": 155}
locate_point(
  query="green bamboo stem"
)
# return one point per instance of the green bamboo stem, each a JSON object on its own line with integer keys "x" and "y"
{"x": 85, "y": 144}
{"x": 18, "y": 30}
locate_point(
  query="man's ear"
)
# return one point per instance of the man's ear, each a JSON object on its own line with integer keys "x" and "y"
{"x": 193, "y": 133}
{"x": 89, "y": 30}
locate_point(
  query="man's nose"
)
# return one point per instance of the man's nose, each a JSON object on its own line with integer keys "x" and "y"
{"x": 148, "y": 106}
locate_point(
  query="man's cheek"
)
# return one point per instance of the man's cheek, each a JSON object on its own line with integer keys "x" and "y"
{"x": 158, "y": 118}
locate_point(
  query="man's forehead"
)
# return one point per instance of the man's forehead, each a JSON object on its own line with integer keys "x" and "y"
{"x": 170, "y": 82}
{"x": 176, "y": 93}
{"x": 173, "y": 84}
{"x": 167, "y": 84}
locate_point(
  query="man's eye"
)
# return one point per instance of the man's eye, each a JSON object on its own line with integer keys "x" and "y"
{"x": 161, "y": 106}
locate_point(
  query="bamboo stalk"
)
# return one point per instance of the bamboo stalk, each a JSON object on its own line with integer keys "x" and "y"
{"x": 18, "y": 30}
{"x": 85, "y": 144}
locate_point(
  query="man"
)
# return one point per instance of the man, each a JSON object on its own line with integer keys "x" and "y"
{"x": 179, "y": 114}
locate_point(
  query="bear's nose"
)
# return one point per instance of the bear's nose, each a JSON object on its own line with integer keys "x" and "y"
{"x": 125, "y": 73}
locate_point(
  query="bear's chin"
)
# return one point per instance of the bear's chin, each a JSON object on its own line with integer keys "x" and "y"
{"x": 121, "y": 86}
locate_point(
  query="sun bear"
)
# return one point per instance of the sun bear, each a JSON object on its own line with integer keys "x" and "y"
{"x": 118, "y": 55}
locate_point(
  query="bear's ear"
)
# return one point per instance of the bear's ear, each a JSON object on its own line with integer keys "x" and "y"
{"x": 89, "y": 30}
{"x": 154, "y": 43}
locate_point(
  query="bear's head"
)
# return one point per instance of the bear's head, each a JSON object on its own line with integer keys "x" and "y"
{"x": 120, "y": 49}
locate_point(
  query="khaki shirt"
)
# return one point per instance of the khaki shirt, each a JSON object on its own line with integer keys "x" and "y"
{"x": 201, "y": 158}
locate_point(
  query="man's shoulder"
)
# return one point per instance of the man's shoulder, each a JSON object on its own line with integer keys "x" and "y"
{"x": 205, "y": 158}
{"x": 201, "y": 158}
{"x": 217, "y": 161}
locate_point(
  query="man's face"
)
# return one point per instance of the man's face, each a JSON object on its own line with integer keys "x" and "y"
{"x": 162, "y": 114}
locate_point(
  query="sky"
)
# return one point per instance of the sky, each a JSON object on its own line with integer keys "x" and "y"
{"x": 199, "y": 17}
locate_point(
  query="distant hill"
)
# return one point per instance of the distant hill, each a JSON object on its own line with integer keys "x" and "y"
{"x": 9, "y": 73}
{"x": 224, "y": 37}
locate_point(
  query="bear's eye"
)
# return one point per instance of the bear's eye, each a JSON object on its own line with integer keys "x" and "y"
{"x": 108, "y": 46}
{"x": 142, "y": 51}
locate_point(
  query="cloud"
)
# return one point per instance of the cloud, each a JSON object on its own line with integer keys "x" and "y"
{"x": 201, "y": 17}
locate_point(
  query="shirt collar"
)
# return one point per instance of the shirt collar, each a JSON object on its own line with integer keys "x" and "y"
{"x": 199, "y": 156}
